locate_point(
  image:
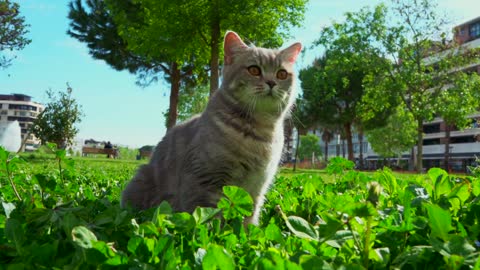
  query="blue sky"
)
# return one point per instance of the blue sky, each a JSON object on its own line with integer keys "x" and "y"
{"x": 115, "y": 108}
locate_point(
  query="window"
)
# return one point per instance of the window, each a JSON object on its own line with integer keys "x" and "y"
{"x": 432, "y": 128}
{"x": 462, "y": 139}
{"x": 20, "y": 119}
{"x": 22, "y": 107}
{"x": 431, "y": 141}
{"x": 475, "y": 30}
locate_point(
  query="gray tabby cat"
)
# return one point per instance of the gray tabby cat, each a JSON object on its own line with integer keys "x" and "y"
{"x": 237, "y": 140}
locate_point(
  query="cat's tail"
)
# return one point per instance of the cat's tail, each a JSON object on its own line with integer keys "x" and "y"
{"x": 138, "y": 193}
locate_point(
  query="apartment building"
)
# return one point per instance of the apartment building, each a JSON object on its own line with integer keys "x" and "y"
{"x": 464, "y": 146}
{"x": 21, "y": 108}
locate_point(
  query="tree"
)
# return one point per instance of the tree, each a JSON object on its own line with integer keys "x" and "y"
{"x": 195, "y": 27}
{"x": 456, "y": 104}
{"x": 12, "y": 30}
{"x": 413, "y": 63}
{"x": 309, "y": 147}
{"x": 334, "y": 85}
{"x": 193, "y": 101}
{"x": 333, "y": 89}
{"x": 396, "y": 137}
{"x": 173, "y": 38}
{"x": 327, "y": 137}
{"x": 94, "y": 24}
{"x": 423, "y": 66}
{"x": 57, "y": 121}
{"x": 302, "y": 121}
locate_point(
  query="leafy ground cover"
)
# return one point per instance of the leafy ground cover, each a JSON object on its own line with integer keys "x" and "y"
{"x": 62, "y": 213}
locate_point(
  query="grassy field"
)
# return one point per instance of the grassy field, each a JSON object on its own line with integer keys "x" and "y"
{"x": 63, "y": 213}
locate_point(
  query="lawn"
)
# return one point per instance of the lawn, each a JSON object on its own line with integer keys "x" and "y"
{"x": 66, "y": 215}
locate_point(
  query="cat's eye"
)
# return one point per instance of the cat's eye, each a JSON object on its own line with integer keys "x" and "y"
{"x": 254, "y": 70}
{"x": 282, "y": 74}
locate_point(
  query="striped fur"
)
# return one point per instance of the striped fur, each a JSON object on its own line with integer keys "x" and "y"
{"x": 237, "y": 140}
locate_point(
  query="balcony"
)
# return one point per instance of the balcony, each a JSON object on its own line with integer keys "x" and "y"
{"x": 469, "y": 149}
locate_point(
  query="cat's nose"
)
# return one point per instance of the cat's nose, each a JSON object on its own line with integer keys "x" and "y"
{"x": 271, "y": 84}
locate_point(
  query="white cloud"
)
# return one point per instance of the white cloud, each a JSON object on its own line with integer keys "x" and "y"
{"x": 40, "y": 6}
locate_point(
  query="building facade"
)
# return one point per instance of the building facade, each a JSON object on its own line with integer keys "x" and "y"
{"x": 21, "y": 108}
{"x": 464, "y": 145}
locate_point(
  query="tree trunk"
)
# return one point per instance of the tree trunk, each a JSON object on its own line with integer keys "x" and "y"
{"x": 215, "y": 48}
{"x": 348, "y": 137}
{"x": 174, "y": 91}
{"x": 360, "y": 141}
{"x": 411, "y": 160}
{"x": 419, "y": 146}
{"x": 326, "y": 152}
{"x": 447, "y": 147}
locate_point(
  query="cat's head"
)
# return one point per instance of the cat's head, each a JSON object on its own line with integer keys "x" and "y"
{"x": 259, "y": 78}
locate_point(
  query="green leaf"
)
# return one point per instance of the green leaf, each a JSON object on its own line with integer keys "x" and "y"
{"x": 133, "y": 243}
{"x": 273, "y": 233}
{"x": 441, "y": 181}
{"x": 272, "y": 260}
{"x": 217, "y": 258}
{"x": 83, "y": 237}
{"x": 301, "y": 228}
{"x": 3, "y": 154}
{"x": 476, "y": 187}
{"x": 329, "y": 227}
{"x": 457, "y": 245}
{"x": 183, "y": 221}
{"x": 411, "y": 256}
{"x": 14, "y": 232}
{"x": 203, "y": 214}
{"x": 98, "y": 253}
{"x": 164, "y": 209}
{"x": 361, "y": 210}
{"x": 148, "y": 229}
{"x": 388, "y": 181}
{"x": 439, "y": 220}
{"x": 237, "y": 202}
{"x": 461, "y": 192}
{"x": 314, "y": 263}
{"x": 380, "y": 255}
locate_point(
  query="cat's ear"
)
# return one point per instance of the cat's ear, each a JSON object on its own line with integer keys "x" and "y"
{"x": 290, "y": 54}
{"x": 231, "y": 45}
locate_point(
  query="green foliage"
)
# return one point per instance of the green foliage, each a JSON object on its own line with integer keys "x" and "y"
{"x": 56, "y": 123}
{"x": 461, "y": 100}
{"x": 127, "y": 153}
{"x": 424, "y": 66}
{"x": 339, "y": 165}
{"x": 333, "y": 86}
{"x": 309, "y": 146}
{"x": 396, "y": 137}
{"x": 12, "y": 30}
{"x": 176, "y": 41}
{"x": 191, "y": 101}
{"x": 67, "y": 216}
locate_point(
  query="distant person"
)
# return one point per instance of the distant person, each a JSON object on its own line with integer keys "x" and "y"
{"x": 108, "y": 145}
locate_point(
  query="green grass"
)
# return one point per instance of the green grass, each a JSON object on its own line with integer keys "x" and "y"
{"x": 66, "y": 215}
